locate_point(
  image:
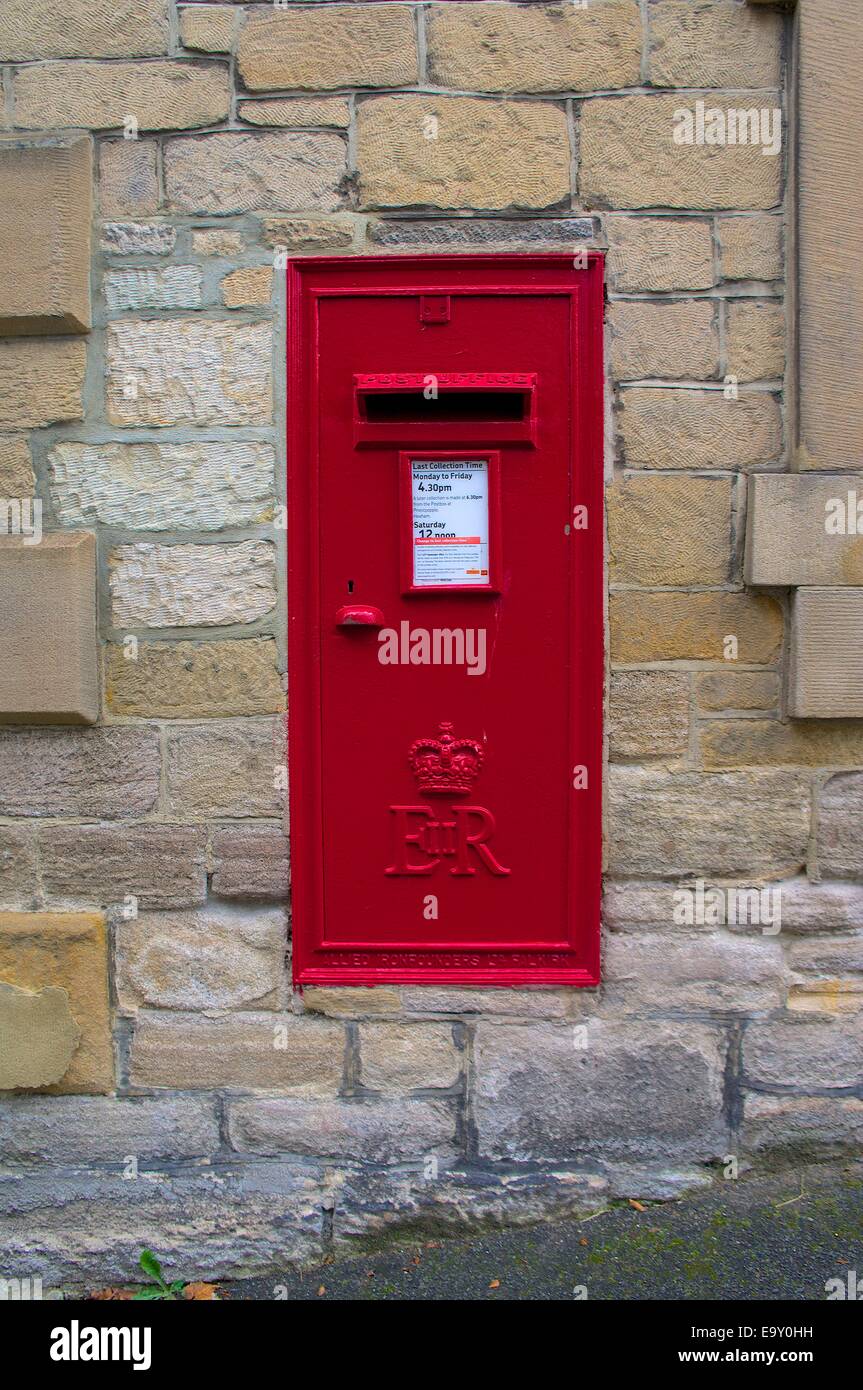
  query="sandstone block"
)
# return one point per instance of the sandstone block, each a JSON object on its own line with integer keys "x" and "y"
{"x": 161, "y": 94}
{"x": 710, "y": 970}
{"x": 773, "y": 742}
{"x": 826, "y": 677}
{"x": 306, "y": 233}
{"x": 171, "y": 287}
{"x": 40, "y": 382}
{"x": 485, "y": 232}
{"x": 224, "y": 768}
{"x": 669, "y": 529}
{"x": 251, "y": 862}
{"x": 16, "y": 470}
{"x": 649, "y": 714}
{"x": 138, "y": 238}
{"x": 297, "y": 112}
{"x": 192, "y": 680}
{"x": 96, "y": 1130}
{"x": 273, "y": 172}
{"x": 678, "y": 339}
{"x": 95, "y": 29}
{"x": 693, "y": 627}
{"x": 191, "y": 585}
{"x": 160, "y": 865}
{"x": 751, "y": 247}
{"x": 368, "y": 1132}
{"x": 674, "y": 428}
{"x": 807, "y": 1052}
{"x": 208, "y": 28}
{"x": 805, "y": 1126}
{"x": 659, "y": 253}
{"x": 128, "y": 186}
{"x": 347, "y": 1002}
{"x": 840, "y": 815}
{"x": 217, "y": 241}
{"x": 407, "y": 1056}
{"x": 802, "y": 529}
{"x": 714, "y": 43}
{"x": 335, "y": 46}
{"x": 105, "y": 772}
{"x": 249, "y": 285}
{"x": 736, "y": 690}
{"x": 18, "y": 872}
{"x": 755, "y": 340}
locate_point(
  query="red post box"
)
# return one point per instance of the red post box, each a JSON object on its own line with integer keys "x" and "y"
{"x": 445, "y": 542}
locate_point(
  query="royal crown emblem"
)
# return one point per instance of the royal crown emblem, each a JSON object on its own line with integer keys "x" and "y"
{"x": 446, "y": 764}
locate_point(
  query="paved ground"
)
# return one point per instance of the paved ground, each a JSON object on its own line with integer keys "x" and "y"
{"x": 777, "y": 1239}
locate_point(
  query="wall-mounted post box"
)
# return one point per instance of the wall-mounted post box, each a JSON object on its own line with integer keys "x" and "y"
{"x": 445, "y": 543}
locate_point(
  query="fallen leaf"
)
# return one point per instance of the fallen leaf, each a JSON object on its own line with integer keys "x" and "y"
{"x": 495, "y": 1284}
{"x": 200, "y": 1292}
{"x": 322, "y": 1290}
{"x": 584, "y": 1241}
{"x": 639, "y": 1206}
{"x": 103, "y": 1294}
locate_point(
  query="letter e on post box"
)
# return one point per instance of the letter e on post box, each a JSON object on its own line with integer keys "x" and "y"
{"x": 445, "y": 618}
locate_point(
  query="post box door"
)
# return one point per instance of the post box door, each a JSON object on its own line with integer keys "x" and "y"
{"x": 445, "y": 619}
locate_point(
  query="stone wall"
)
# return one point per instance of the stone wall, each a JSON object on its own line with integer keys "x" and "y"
{"x": 183, "y": 1097}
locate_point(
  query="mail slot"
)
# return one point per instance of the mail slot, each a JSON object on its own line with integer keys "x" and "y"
{"x": 445, "y": 622}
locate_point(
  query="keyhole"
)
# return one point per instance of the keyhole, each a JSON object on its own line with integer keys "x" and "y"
{"x": 350, "y": 586}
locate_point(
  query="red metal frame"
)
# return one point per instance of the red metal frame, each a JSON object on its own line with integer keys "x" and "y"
{"x": 495, "y": 555}
{"x": 460, "y": 431}
{"x": 574, "y": 960}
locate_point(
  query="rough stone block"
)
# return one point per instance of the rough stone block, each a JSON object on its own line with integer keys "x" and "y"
{"x": 333, "y": 46}
{"x": 16, "y": 470}
{"x": 169, "y": 287}
{"x": 45, "y": 220}
{"x": 367, "y": 1132}
{"x": 807, "y": 1052}
{"x": 306, "y": 233}
{"x": 826, "y": 675}
{"x": 183, "y": 372}
{"x": 217, "y": 241}
{"x": 251, "y": 862}
{"x": 297, "y": 111}
{"x": 802, "y": 529}
{"x": 41, "y": 382}
{"x": 635, "y": 1090}
{"x": 50, "y": 668}
{"x": 773, "y": 742}
{"x": 160, "y": 865}
{"x": 137, "y": 238}
{"x": 349, "y": 1002}
{"x": 191, "y": 680}
{"x": 648, "y": 714}
{"x": 669, "y": 529}
{"x": 128, "y": 184}
{"x": 250, "y": 1051}
{"x": 702, "y": 972}
{"x": 407, "y": 1056}
{"x": 18, "y": 871}
{"x": 751, "y": 247}
{"x": 693, "y": 627}
{"x": 159, "y": 95}
{"x": 215, "y": 957}
{"x": 693, "y": 823}
{"x": 484, "y": 154}
{"x": 75, "y": 1129}
{"x": 678, "y": 339}
{"x": 251, "y": 284}
{"x": 66, "y": 954}
{"x": 509, "y": 48}
{"x": 163, "y": 487}
{"x": 192, "y": 585}
{"x": 802, "y": 1126}
{"x": 828, "y": 975}
{"x": 92, "y": 29}
{"x": 736, "y": 690}
{"x": 755, "y": 340}
{"x": 714, "y": 43}
{"x": 208, "y": 28}
{"x": 83, "y": 772}
{"x": 629, "y": 159}
{"x": 682, "y": 428}
{"x": 809, "y": 908}
{"x": 485, "y": 232}
{"x": 224, "y": 768}
{"x": 840, "y": 816}
{"x": 659, "y": 253}
{"x": 274, "y": 172}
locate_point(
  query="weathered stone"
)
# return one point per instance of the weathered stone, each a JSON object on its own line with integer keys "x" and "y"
{"x": 821, "y": 907}
{"x": 95, "y": 29}
{"x": 751, "y": 247}
{"x": 700, "y": 823}
{"x": 251, "y": 1051}
{"x": 38, "y": 1036}
{"x": 40, "y": 381}
{"x": 347, "y": 1002}
{"x": 659, "y": 253}
{"x": 736, "y": 690}
{"x": 840, "y": 815}
{"x": 484, "y": 154}
{"x": 208, "y": 28}
{"x": 306, "y": 233}
{"x": 252, "y": 284}
{"x": 634, "y": 906}
{"x": 777, "y": 743}
{"x": 706, "y": 971}
{"x": 217, "y": 241}
{"x": 693, "y": 627}
{"x": 369, "y": 1132}
{"x": 159, "y": 95}
{"x": 45, "y": 219}
{"x": 95, "y": 1130}
{"x": 293, "y": 112}
{"x": 138, "y": 238}
{"x": 192, "y": 585}
{"x": 288, "y": 171}
{"x": 16, "y": 470}
{"x": 224, "y": 768}
{"x": 18, "y": 872}
{"x": 516, "y": 1003}
{"x": 826, "y": 676}
{"x": 171, "y": 287}
{"x": 669, "y": 529}
{"x": 673, "y": 428}
{"x": 159, "y": 865}
{"x": 83, "y": 772}
{"x": 163, "y": 487}
{"x": 128, "y": 185}
{"x": 755, "y": 340}
{"x": 217, "y": 957}
{"x": 713, "y": 43}
{"x": 483, "y": 231}
{"x": 808, "y": 1053}
{"x": 407, "y": 1056}
{"x": 746, "y": 908}
{"x": 334, "y": 46}
{"x": 509, "y": 48}
{"x": 629, "y": 159}
{"x": 828, "y": 975}
{"x": 540, "y": 1096}
{"x": 191, "y": 680}
{"x": 801, "y": 528}
{"x": 251, "y": 862}
{"x": 677, "y": 339}
{"x": 67, "y": 954}
{"x": 805, "y": 1126}
{"x": 50, "y": 670}
{"x": 648, "y": 714}
{"x": 183, "y": 372}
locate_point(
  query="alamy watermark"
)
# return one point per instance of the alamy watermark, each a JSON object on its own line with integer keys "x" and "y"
{"x": 711, "y": 125}
{"x": 715, "y": 907}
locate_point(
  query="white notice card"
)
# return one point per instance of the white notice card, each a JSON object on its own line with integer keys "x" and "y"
{"x": 450, "y": 521}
